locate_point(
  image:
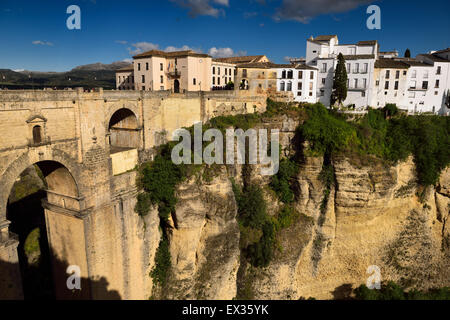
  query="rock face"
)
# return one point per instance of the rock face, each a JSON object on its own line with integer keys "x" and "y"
{"x": 373, "y": 217}
{"x": 204, "y": 241}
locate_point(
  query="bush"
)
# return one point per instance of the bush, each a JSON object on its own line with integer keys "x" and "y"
{"x": 392, "y": 291}
{"x": 282, "y": 182}
{"x": 163, "y": 263}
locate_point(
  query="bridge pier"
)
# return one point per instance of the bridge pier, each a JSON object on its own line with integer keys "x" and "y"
{"x": 10, "y": 280}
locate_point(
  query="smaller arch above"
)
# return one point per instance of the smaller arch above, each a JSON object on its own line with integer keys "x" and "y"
{"x": 37, "y": 118}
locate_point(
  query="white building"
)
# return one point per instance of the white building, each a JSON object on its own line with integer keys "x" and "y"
{"x": 299, "y": 79}
{"x": 322, "y": 52}
{"x": 391, "y": 83}
{"x": 222, "y": 73}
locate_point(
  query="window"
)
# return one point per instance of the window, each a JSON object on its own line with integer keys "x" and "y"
{"x": 386, "y": 85}
{"x": 283, "y": 74}
{"x": 37, "y": 134}
{"x": 349, "y": 68}
{"x": 356, "y": 68}
{"x": 139, "y": 67}
{"x": 425, "y": 85}
{"x": 436, "y": 93}
{"x": 414, "y": 74}
{"x": 226, "y": 71}
{"x": 194, "y": 81}
{"x": 404, "y": 73}
{"x": 282, "y": 86}
{"x": 324, "y": 67}
{"x": 161, "y": 67}
{"x": 437, "y": 84}
{"x": 300, "y": 74}
{"x": 356, "y": 83}
{"x": 364, "y": 83}
{"x": 388, "y": 74}
{"x": 289, "y": 86}
{"x": 290, "y": 74}
{"x": 143, "y": 79}
{"x": 366, "y": 68}
{"x": 311, "y": 75}
{"x": 397, "y": 74}
{"x": 162, "y": 79}
{"x": 143, "y": 88}
{"x": 322, "y": 93}
{"x": 310, "y": 94}
{"x": 363, "y": 94}
{"x": 311, "y": 86}
{"x": 438, "y": 71}
{"x": 244, "y": 73}
{"x": 377, "y": 83}
{"x": 299, "y": 93}
{"x": 214, "y": 70}
{"x": 323, "y": 80}
{"x": 413, "y": 84}
{"x": 396, "y": 85}
{"x": 146, "y": 66}
{"x": 218, "y": 71}
{"x": 162, "y": 87}
{"x": 214, "y": 80}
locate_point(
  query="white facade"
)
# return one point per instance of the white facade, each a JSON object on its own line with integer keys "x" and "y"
{"x": 221, "y": 74}
{"x": 301, "y": 80}
{"x": 322, "y": 52}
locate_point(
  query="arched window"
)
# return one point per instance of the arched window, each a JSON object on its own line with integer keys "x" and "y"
{"x": 282, "y": 86}
{"x": 289, "y": 86}
{"x": 37, "y": 134}
{"x": 283, "y": 74}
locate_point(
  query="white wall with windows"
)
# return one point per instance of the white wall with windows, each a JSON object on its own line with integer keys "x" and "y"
{"x": 300, "y": 80}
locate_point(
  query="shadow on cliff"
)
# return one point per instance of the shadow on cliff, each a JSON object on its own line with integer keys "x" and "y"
{"x": 37, "y": 286}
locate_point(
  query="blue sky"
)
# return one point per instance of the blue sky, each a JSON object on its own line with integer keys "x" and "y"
{"x": 35, "y": 36}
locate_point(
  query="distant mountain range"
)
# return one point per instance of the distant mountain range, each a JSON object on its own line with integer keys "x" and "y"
{"x": 87, "y": 76}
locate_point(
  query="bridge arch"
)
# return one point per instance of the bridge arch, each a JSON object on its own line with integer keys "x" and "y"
{"x": 51, "y": 218}
{"x": 17, "y": 167}
{"x": 124, "y": 129}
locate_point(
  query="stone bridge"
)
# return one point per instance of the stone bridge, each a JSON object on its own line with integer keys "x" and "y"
{"x": 87, "y": 146}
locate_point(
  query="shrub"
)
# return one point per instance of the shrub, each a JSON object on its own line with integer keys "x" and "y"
{"x": 163, "y": 263}
{"x": 282, "y": 182}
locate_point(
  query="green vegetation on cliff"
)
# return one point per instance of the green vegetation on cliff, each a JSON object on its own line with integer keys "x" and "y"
{"x": 392, "y": 291}
{"x": 427, "y": 138}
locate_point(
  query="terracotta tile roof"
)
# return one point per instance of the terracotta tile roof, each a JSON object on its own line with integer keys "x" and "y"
{"x": 158, "y": 53}
{"x": 414, "y": 63}
{"x": 259, "y": 65}
{"x": 243, "y": 59}
{"x": 434, "y": 58}
{"x": 359, "y": 56}
{"x": 390, "y": 64}
{"x": 325, "y": 37}
{"x": 126, "y": 69}
{"x": 367, "y": 43}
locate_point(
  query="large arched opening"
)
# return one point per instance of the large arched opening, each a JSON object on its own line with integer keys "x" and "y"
{"x": 123, "y": 130}
{"x": 42, "y": 246}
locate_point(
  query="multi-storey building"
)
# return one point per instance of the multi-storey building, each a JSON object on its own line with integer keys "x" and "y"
{"x": 299, "y": 79}
{"x": 176, "y": 71}
{"x": 257, "y": 77}
{"x": 322, "y": 52}
{"x": 125, "y": 78}
{"x": 222, "y": 73}
{"x": 391, "y": 79}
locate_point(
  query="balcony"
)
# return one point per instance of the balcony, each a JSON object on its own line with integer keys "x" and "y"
{"x": 173, "y": 74}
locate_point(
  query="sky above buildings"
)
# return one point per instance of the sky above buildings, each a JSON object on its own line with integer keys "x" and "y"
{"x": 35, "y": 36}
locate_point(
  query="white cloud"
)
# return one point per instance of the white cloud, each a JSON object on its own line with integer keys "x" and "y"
{"x": 42, "y": 43}
{"x": 128, "y": 60}
{"x": 121, "y": 42}
{"x": 303, "y": 11}
{"x": 140, "y": 47}
{"x": 183, "y": 48}
{"x": 221, "y": 52}
{"x": 203, "y": 7}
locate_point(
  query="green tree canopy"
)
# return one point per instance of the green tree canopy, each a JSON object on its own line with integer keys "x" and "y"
{"x": 340, "y": 82}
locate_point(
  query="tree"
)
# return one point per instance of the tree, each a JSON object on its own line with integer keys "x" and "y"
{"x": 407, "y": 53}
{"x": 340, "y": 82}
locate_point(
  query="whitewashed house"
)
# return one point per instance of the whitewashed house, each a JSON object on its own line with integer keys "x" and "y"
{"x": 299, "y": 79}
{"x": 322, "y": 52}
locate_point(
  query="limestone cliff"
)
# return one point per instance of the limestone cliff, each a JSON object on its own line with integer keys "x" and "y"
{"x": 373, "y": 217}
